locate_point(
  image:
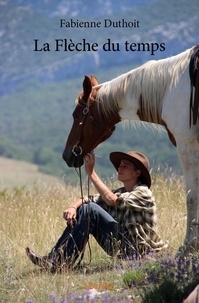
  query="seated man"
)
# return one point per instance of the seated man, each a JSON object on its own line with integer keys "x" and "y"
{"x": 122, "y": 221}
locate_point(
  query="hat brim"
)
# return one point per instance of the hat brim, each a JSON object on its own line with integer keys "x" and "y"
{"x": 116, "y": 157}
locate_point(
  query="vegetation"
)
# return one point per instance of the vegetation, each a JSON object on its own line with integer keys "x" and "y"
{"x": 33, "y": 217}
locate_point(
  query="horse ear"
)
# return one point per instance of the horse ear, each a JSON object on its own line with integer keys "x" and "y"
{"x": 94, "y": 81}
{"x": 87, "y": 87}
{"x": 88, "y": 83}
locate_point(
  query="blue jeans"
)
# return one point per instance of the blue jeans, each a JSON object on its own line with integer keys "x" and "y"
{"x": 91, "y": 219}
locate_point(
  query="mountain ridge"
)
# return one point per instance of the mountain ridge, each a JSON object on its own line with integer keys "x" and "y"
{"x": 21, "y": 25}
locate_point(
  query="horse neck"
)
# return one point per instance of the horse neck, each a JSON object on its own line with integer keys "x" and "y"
{"x": 140, "y": 93}
{"x": 120, "y": 96}
{"x": 109, "y": 101}
{"x": 112, "y": 96}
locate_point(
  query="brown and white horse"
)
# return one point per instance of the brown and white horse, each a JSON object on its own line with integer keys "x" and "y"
{"x": 157, "y": 92}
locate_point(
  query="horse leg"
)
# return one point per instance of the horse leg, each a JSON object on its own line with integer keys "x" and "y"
{"x": 176, "y": 114}
{"x": 189, "y": 157}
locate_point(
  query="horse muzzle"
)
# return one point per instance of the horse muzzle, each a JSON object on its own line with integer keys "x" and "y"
{"x": 74, "y": 157}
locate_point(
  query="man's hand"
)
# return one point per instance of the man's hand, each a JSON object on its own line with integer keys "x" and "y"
{"x": 70, "y": 215}
{"x": 89, "y": 161}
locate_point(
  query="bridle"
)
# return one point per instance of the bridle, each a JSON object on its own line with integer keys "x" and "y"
{"x": 77, "y": 145}
{"x": 106, "y": 129}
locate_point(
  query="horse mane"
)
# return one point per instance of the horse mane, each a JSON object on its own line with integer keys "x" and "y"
{"x": 146, "y": 86}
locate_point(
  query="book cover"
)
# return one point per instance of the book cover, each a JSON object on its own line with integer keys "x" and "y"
{"x": 46, "y": 49}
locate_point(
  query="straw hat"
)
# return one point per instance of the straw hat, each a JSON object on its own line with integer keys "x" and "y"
{"x": 139, "y": 159}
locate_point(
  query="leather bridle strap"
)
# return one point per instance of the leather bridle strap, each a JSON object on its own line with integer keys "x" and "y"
{"x": 85, "y": 112}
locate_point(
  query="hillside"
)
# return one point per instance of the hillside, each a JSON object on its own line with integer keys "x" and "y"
{"x": 16, "y": 174}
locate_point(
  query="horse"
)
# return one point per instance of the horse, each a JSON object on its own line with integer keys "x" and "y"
{"x": 162, "y": 92}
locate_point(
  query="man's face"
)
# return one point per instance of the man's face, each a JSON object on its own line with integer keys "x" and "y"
{"x": 127, "y": 171}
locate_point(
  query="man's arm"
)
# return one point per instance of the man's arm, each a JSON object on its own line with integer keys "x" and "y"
{"x": 107, "y": 195}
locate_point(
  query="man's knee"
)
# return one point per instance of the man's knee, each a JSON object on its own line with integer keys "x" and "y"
{"x": 88, "y": 207}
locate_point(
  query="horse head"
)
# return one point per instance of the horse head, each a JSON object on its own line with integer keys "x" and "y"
{"x": 91, "y": 126}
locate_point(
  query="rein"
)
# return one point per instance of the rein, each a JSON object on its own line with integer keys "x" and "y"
{"x": 81, "y": 184}
{"x": 82, "y": 197}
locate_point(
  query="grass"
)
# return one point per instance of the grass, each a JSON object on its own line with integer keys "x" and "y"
{"x": 33, "y": 217}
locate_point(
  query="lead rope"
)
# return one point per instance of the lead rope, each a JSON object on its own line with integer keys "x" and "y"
{"x": 82, "y": 197}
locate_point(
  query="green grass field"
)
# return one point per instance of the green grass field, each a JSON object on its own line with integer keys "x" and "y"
{"x": 32, "y": 216}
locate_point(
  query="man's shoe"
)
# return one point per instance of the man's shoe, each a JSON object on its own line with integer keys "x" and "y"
{"x": 42, "y": 261}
